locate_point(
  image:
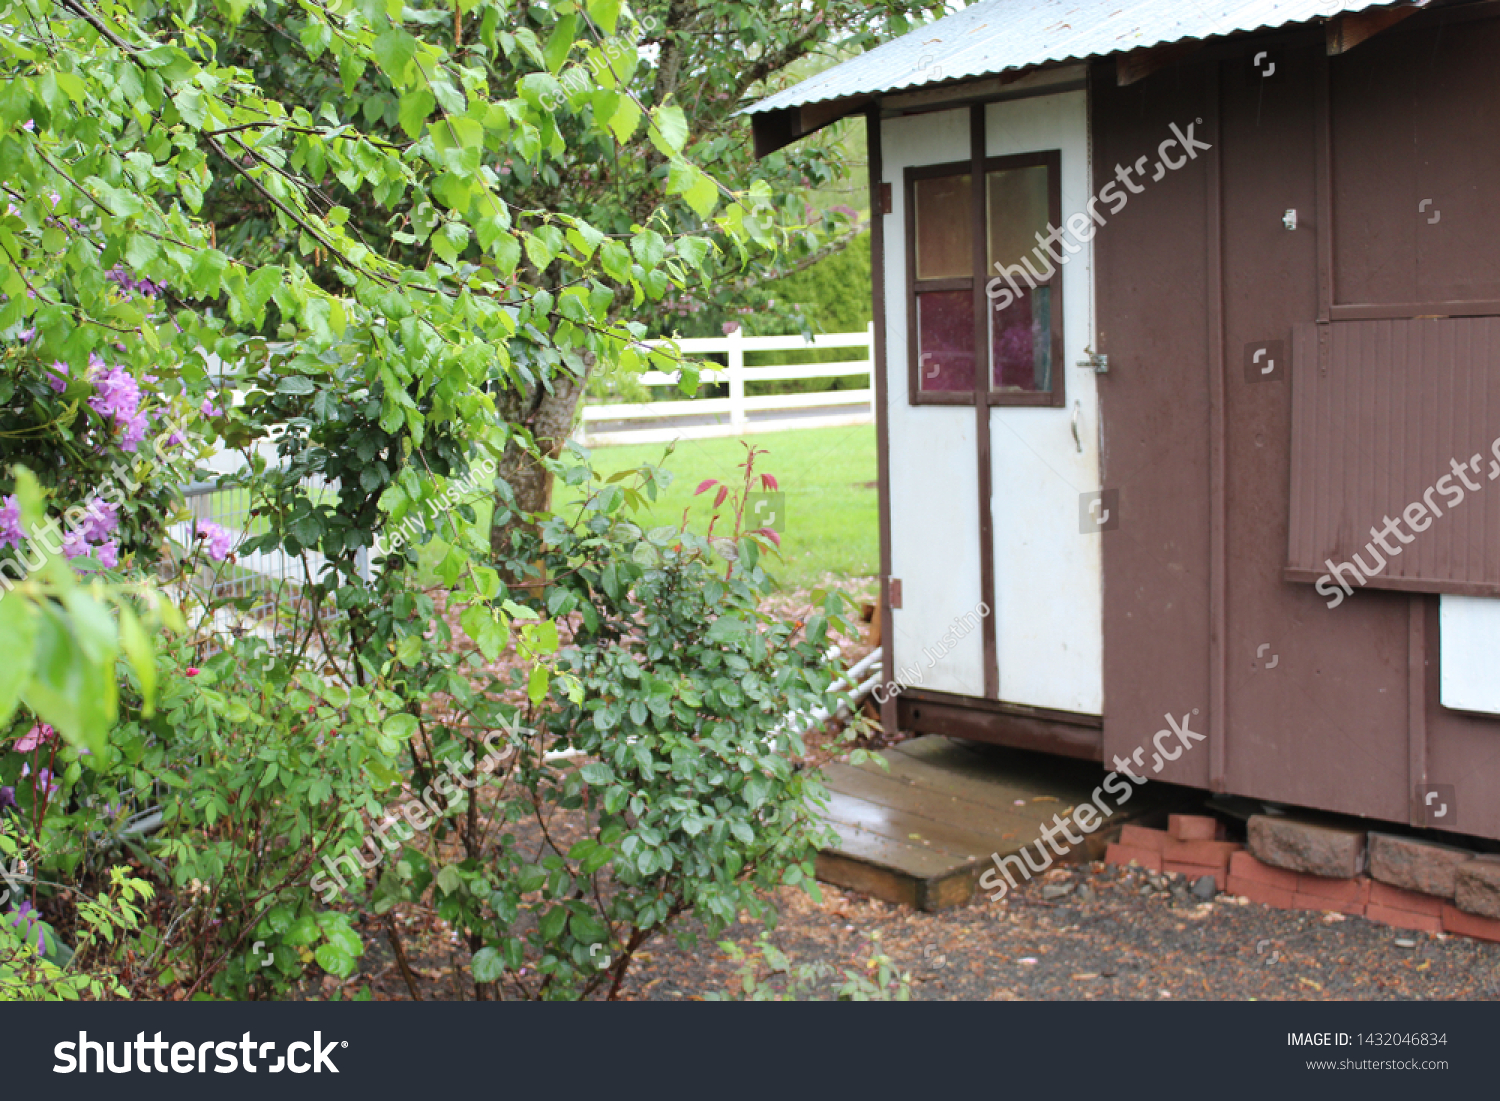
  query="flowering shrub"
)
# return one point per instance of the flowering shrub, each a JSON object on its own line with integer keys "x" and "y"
{"x": 679, "y": 694}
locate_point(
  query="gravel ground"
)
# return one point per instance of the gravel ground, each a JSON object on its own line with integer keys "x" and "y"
{"x": 1104, "y": 933}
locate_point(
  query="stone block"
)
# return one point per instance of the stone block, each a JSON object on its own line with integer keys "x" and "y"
{"x": 1309, "y": 849}
{"x": 1422, "y": 866}
{"x": 1477, "y": 887}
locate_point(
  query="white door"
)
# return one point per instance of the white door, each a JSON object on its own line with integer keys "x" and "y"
{"x": 1046, "y": 619}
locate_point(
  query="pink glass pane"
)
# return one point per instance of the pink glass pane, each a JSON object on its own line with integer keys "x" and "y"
{"x": 945, "y": 341}
{"x": 1021, "y": 342}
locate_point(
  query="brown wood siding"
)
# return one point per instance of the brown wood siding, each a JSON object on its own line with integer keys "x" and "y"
{"x": 1414, "y": 165}
{"x": 1380, "y": 411}
{"x": 1152, "y": 299}
{"x": 1326, "y": 726}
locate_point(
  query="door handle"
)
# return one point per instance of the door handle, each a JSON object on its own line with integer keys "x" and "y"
{"x": 1077, "y": 439}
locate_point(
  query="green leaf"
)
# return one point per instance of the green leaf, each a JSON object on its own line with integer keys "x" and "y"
{"x": 137, "y": 648}
{"x": 303, "y": 931}
{"x": 669, "y": 129}
{"x": 394, "y": 51}
{"x": 606, "y": 13}
{"x": 450, "y": 880}
{"x": 400, "y": 726}
{"x": 416, "y": 105}
{"x": 335, "y": 927}
{"x": 73, "y": 681}
{"x": 18, "y": 630}
{"x": 536, "y": 685}
{"x": 507, "y": 253}
{"x": 597, "y": 774}
{"x": 335, "y": 960}
{"x": 553, "y": 922}
{"x": 626, "y": 118}
{"x": 488, "y": 965}
{"x": 560, "y": 43}
{"x": 703, "y": 195}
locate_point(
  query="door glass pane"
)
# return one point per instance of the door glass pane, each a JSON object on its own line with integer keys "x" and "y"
{"x": 1021, "y": 322}
{"x": 945, "y": 341}
{"x": 945, "y": 237}
{"x": 1021, "y": 342}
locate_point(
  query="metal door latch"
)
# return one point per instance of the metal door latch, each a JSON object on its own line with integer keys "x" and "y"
{"x": 1099, "y": 361}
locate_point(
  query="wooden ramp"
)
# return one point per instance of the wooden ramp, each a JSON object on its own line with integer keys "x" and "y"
{"x": 922, "y": 832}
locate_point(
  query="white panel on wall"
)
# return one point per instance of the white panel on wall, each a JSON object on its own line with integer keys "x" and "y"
{"x": 1049, "y": 592}
{"x": 1469, "y": 650}
{"x": 934, "y": 474}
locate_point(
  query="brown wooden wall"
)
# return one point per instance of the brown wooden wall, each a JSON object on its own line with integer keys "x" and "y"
{"x": 1195, "y": 269}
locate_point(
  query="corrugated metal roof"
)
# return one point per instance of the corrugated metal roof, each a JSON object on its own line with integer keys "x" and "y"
{"x": 993, "y": 36}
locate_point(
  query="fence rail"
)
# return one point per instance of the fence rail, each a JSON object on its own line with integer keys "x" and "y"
{"x": 739, "y": 414}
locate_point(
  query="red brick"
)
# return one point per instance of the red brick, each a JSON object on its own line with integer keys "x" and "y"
{"x": 1244, "y": 866}
{"x": 1394, "y": 898}
{"x": 1323, "y": 903}
{"x": 1335, "y": 890}
{"x": 1404, "y": 919}
{"x": 1196, "y": 872}
{"x": 1138, "y": 837}
{"x": 1194, "y": 827}
{"x": 1470, "y": 925}
{"x": 1124, "y": 854}
{"x": 1215, "y": 854}
{"x": 1263, "y": 893}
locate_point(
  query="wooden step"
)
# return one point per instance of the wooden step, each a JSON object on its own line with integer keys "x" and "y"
{"x": 923, "y": 830}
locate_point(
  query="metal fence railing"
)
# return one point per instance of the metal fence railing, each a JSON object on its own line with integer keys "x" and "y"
{"x": 269, "y": 586}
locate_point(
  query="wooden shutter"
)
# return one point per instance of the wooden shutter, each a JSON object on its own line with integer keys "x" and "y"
{"x": 1380, "y": 409}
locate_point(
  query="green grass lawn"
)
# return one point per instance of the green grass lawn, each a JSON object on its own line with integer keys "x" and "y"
{"x": 831, "y": 526}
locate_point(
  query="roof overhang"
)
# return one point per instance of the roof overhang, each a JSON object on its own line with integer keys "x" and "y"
{"x": 994, "y": 49}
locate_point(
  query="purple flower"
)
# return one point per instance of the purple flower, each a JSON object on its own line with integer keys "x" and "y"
{"x": 26, "y": 335}
{"x": 44, "y": 778}
{"x": 116, "y": 395}
{"x": 28, "y": 915}
{"x": 135, "y": 431}
{"x": 102, "y": 520}
{"x": 11, "y": 534}
{"x": 128, "y": 283}
{"x": 209, "y": 409}
{"x": 57, "y": 377}
{"x": 74, "y": 545}
{"x": 220, "y": 541}
{"x": 7, "y": 799}
{"x": 108, "y": 554}
{"x": 174, "y": 439}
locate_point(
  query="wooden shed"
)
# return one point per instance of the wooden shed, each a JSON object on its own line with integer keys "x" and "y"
{"x": 1187, "y": 329}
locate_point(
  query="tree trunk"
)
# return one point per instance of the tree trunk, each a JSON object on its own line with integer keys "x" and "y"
{"x": 549, "y": 416}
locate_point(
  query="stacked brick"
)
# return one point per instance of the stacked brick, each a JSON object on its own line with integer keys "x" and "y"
{"x": 1297, "y": 865}
{"x": 1191, "y": 845}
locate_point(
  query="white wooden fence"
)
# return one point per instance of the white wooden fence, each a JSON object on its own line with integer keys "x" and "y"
{"x": 738, "y": 415}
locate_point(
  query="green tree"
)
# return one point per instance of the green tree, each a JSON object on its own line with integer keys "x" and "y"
{"x": 693, "y": 67}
